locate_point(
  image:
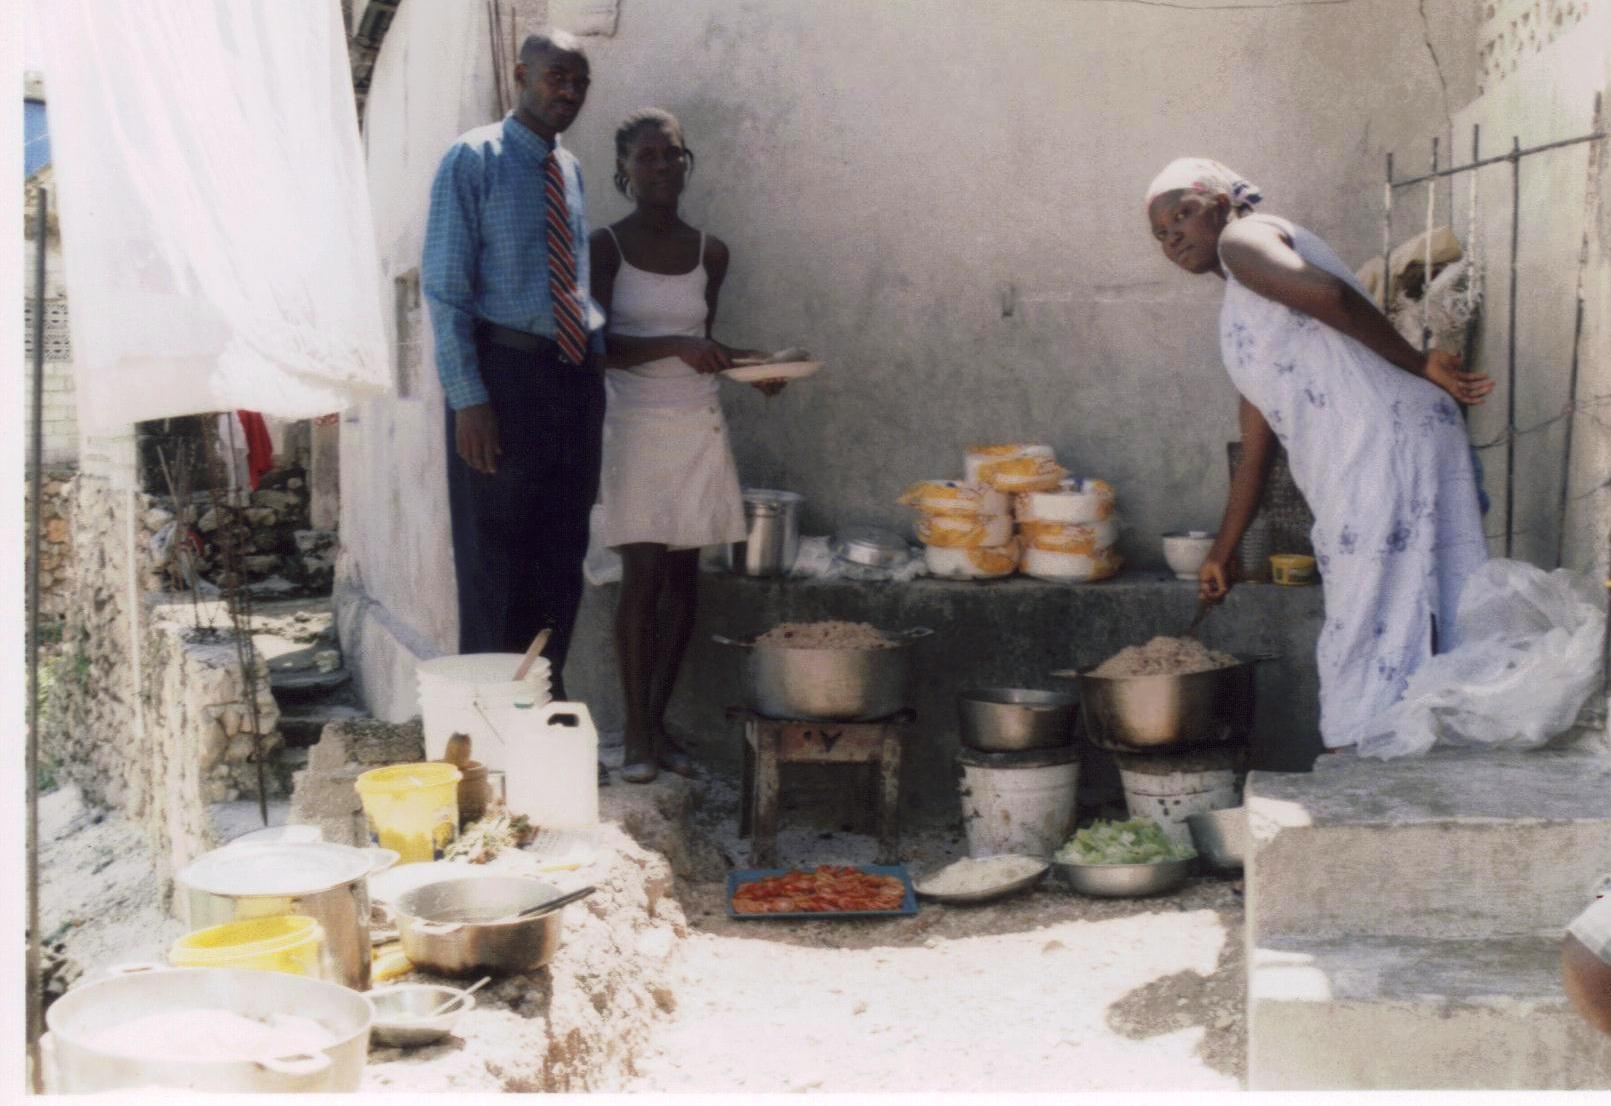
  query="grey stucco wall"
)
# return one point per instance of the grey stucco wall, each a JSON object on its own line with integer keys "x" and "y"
{"x": 889, "y": 176}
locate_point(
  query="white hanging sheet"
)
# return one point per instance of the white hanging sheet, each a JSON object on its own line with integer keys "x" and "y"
{"x": 217, "y": 239}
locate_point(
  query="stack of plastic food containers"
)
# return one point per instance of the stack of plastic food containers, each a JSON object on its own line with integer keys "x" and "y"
{"x": 966, "y": 529}
{"x": 1069, "y": 533}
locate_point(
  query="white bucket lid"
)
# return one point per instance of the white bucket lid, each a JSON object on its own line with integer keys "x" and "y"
{"x": 282, "y": 869}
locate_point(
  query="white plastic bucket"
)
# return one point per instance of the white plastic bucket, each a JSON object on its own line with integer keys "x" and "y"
{"x": 550, "y": 763}
{"x": 1169, "y": 798}
{"x": 459, "y": 693}
{"x": 1022, "y": 811}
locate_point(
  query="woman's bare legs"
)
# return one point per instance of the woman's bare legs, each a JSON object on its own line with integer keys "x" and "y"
{"x": 642, "y": 567}
{"x": 679, "y": 582}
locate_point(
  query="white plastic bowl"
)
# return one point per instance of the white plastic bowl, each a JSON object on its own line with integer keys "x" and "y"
{"x": 1186, "y": 551}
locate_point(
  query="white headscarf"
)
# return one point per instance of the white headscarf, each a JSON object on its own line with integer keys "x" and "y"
{"x": 1206, "y": 177}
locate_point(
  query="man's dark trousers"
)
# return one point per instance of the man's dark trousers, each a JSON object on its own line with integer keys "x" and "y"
{"x": 519, "y": 535}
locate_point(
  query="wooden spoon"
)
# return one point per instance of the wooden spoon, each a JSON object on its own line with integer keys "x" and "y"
{"x": 533, "y": 651}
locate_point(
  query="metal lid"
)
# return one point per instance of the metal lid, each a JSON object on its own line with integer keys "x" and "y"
{"x": 771, "y": 496}
{"x": 282, "y": 869}
{"x": 872, "y": 545}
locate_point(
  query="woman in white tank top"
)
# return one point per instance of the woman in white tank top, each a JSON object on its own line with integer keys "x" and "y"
{"x": 669, "y": 485}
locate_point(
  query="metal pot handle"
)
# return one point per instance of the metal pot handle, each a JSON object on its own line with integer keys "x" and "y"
{"x": 720, "y": 640}
{"x": 307, "y": 1063}
{"x": 1260, "y": 658}
{"x": 916, "y": 633}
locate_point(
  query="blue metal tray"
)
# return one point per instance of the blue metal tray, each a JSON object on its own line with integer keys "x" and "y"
{"x": 739, "y": 876}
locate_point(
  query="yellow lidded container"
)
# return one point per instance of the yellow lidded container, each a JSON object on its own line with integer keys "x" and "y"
{"x": 287, "y": 943}
{"x": 1292, "y": 569}
{"x": 412, "y": 808}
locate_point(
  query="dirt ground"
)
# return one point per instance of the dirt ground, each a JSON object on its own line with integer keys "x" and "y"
{"x": 1047, "y": 991}
{"x": 1044, "y": 992}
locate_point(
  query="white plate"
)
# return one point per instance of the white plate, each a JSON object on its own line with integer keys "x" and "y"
{"x": 782, "y": 370}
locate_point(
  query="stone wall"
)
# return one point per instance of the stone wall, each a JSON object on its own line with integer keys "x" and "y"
{"x": 55, "y": 543}
{"x": 149, "y": 714}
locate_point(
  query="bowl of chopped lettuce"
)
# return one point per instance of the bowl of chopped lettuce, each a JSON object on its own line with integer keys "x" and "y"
{"x": 1123, "y": 860}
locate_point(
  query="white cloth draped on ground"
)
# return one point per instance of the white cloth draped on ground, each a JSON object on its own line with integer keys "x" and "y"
{"x": 1383, "y": 459}
{"x": 218, "y": 245}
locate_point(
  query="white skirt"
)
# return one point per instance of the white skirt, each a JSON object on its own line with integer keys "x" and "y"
{"x": 669, "y": 478}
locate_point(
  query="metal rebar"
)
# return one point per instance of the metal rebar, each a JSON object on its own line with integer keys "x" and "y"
{"x": 1590, "y": 195}
{"x": 1510, "y": 343}
{"x": 1387, "y": 240}
{"x": 36, "y": 449}
{"x": 1480, "y": 163}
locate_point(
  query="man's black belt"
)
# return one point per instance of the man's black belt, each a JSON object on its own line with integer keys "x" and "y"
{"x": 516, "y": 339}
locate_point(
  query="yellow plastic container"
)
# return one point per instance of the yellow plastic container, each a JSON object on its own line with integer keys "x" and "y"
{"x": 413, "y": 808}
{"x": 1292, "y": 569}
{"x": 288, "y": 943}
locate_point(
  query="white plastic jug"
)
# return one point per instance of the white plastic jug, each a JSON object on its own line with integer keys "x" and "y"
{"x": 550, "y": 755}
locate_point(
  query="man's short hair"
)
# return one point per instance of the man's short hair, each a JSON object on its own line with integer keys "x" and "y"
{"x": 540, "y": 46}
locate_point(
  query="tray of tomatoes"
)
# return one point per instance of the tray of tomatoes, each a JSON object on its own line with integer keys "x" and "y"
{"x": 825, "y": 891}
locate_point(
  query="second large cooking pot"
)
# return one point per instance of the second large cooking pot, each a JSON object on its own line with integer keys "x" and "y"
{"x": 323, "y": 881}
{"x": 1131, "y": 713}
{"x": 459, "y": 926}
{"x": 77, "y": 1062}
{"x": 827, "y": 685}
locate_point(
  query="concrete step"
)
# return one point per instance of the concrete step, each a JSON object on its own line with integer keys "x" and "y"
{"x": 302, "y": 725}
{"x": 300, "y": 685}
{"x": 1417, "y": 1014}
{"x": 1456, "y": 844}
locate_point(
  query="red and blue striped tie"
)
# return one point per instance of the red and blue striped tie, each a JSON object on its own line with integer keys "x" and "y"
{"x": 571, "y": 332}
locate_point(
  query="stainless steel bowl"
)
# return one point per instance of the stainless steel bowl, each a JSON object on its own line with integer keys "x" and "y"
{"x": 827, "y": 685}
{"x": 1008, "y": 719}
{"x": 402, "y": 1013}
{"x": 1123, "y": 881}
{"x": 457, "y": 926}
{"x": 1126, "y": 713}
{"x": 1220, "y": 836}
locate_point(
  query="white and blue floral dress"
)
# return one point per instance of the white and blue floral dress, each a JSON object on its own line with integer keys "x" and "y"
{"x": 1383, "y": 459}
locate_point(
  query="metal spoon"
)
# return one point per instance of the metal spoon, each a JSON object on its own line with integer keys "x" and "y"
{"x": 551, "y": 904}
{"x": 460, "y": 997}
{"x": 1203, "y": 607}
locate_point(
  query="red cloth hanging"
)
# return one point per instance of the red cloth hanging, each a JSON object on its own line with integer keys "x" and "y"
{"x": 259, "y": 446}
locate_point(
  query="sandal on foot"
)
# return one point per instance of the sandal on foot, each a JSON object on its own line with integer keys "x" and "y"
{"x": 604, "y": 775}
{"x": 639, "y": 771}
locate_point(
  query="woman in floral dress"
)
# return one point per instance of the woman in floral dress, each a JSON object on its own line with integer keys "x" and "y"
{"x": 1371, "y": 427}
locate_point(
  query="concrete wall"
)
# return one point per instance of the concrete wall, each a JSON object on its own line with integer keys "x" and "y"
{"x": 942, "y": 200}
{"x": 1544, "y": 92}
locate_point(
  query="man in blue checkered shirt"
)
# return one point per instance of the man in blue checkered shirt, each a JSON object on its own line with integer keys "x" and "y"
{"x": 519, "y": 349}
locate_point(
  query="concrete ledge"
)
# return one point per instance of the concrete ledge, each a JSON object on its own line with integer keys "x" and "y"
{"x": 1403, "y": 1014}
{"x": 1003, "y": 633}
{"x": 1455, "y": 844}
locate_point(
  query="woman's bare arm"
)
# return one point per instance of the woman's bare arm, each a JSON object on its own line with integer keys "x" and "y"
{"x": 1259, "y": 255}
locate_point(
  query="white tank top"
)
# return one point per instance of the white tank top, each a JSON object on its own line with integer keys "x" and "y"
{"x": 654, "y": 305}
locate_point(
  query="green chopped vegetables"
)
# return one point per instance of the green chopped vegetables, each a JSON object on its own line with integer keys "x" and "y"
{"x": 1138, "y": 841}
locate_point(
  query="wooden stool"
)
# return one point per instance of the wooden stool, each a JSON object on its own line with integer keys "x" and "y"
{"x": 770, "y": 743}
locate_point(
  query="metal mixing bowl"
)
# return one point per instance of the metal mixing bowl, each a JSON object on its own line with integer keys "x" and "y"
{"x": 1220, "y": 836}
{"x": 400, "y": 1013}
{"x": 1007, "y": 719}
{"x": 1123, "y": 881}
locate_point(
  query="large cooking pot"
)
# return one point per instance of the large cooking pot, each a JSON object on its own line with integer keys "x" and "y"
{"x": 1131, "y": 713}
{"x": 75, "y": 1064}
{"x": 827, "y": 685}
{"x": 323, "y": 881}
{"x": 454, "y": 926}
{"x": 771, "y": 534}
{"x": 1008, "y": 719}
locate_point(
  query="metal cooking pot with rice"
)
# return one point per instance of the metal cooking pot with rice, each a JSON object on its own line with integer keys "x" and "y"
{"x": 1129, "y": 713}
{"x": 828, "y": 683}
